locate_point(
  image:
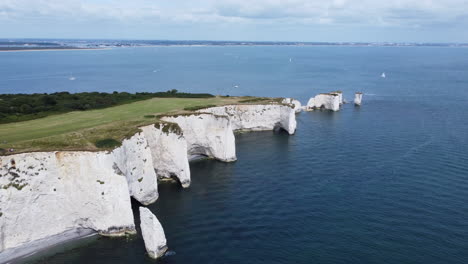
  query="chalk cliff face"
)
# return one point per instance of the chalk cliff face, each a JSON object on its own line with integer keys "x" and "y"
{"x": 257, "y": 117}
{"x": 45, "y": 194}
{"x": 207, "y": 135}
{"x": 169, "y": 151}
{"x": 297, "y": 105}
{"x": 153, "y": 234}
{"x": 135, "y": 161}
{"x": 340, "y": 96}
{"x": 47, "y": 197}
{"x": 330, "y": 101}
{"x": 358, "y": 99}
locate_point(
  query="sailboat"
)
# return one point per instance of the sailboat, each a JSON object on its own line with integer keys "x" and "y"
{"x": 71, "y": 78}
{"x": 383, "y": 75}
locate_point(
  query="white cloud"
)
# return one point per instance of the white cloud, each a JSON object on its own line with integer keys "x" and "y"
{"x": 75, "y": 9}
{"x": 400, "y": 12}
{"x": 238, "y": 13}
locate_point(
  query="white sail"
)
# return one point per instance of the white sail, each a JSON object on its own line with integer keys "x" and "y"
{"x": 71, "y": 78}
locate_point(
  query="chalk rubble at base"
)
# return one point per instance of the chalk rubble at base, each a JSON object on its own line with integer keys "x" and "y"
{"x": 47, "y": 197}
{"x": 153, "y": 234}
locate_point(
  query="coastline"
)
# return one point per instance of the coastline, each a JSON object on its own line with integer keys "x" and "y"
{"x": 67, "y": 49}
{"x": 234, "y": 45}
{"x": 111, "y": 178}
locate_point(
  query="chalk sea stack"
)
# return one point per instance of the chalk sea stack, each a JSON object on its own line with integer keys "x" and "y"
{"x": 328, "y": 101}
{"x": 358, "y": 99}
{"x": 153, "y": 234}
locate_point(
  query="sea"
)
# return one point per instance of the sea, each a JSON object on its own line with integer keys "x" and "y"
{"x": 386, "y": 182}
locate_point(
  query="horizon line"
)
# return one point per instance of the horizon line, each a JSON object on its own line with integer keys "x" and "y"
{"x": 239, "y": 41}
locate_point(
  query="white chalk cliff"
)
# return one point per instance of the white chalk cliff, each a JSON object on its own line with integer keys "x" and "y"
{"x": 358, "y": 99}
{"x": 207, "y": 135}
{"x": 153, "y": 234}
{"x": 50, "y": 197}
{"x": 295, "y": 103}
{"x": 169, "y": 151}
{"x": 340, "y": 96}
{"x": 257, "y": 117}
{"x": 134, "y": 160}
{"x": 47, "y": 194}
{"x": 329, "y": 101}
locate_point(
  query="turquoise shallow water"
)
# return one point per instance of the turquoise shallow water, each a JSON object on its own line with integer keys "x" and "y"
{"x": 383, "y": 183}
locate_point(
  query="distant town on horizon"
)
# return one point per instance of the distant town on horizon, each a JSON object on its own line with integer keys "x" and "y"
{"x": 35, "y": 43}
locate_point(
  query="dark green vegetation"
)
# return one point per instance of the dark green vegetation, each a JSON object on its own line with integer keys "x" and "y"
{"x": 107, "y": 143}
{"x": 22, "y": 107}
{"x": 168, "y": 127}
{"x": 251, "y": 99}
{"x": 195, "y": 108}
{"x": 16, "y": 185}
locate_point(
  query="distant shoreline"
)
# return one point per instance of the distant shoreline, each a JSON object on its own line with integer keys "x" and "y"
{"x": 225, "y": 45}
{"x": 21, "y": 45}
{"x": 52, "y": 49}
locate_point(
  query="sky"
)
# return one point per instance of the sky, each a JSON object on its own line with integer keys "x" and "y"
{"x": 241, "y": 20}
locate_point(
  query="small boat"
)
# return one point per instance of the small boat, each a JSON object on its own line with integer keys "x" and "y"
{"x": 71, "y": 78}
{"x": 290, "y": 59}
{"x": 383, "y": 75}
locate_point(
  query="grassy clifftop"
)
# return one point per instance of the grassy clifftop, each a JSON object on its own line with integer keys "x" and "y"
{"x": 81, "y": 130}
{"x": 23, "y": 107}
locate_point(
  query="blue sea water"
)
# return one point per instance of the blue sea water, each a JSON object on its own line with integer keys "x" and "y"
{"x": 383, "y": 183}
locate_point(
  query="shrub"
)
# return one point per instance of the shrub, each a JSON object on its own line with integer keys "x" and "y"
{"x": 195, "y": 108}
{"x": 26, "y": 109}
{"x": 107, "y": 143}
{"x": 253, "y": 100}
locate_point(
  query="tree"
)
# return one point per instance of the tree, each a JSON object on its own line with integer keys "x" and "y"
{"x": 49, "y": 100}
{"x": 26, "y": 109}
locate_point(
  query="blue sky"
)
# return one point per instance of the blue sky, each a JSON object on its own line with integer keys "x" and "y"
{"x": 256, "y": 20}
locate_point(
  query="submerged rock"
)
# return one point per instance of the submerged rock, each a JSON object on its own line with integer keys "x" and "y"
{"x": 358, "y": 99}
{"x": 153, "y": 234}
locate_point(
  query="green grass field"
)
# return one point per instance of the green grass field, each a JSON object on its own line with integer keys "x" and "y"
{"x": 81, "y": 130}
